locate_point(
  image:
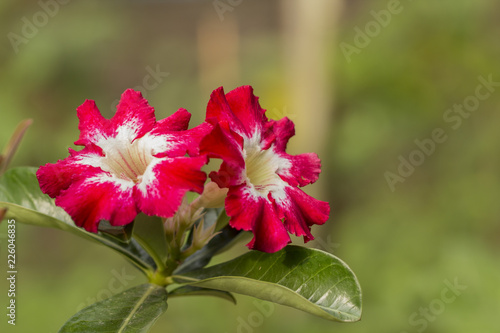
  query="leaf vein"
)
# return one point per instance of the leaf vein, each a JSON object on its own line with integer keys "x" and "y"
{"x": 312, "y": 276}
{"x": 272, "y": 265}
{"x": 136, "y": 307}
{"x": 255, "y": 264}
{"x": 297, "y": 266}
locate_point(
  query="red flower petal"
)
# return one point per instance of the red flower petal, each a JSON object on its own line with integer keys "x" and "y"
{"x": 228, "y": 175}
{"x": 179, "y": 121}
{"x": 304, "y": 169}
{"x": 54, "y": 178}
{"x": 242, "y": 208}
{"x": 219, "y": 111}
{"x": 248, "y": 212}
{"x": 180, "y": 143}
{"x": 313, "y": 211}
{"x": 245, "y": 106}
{"x": 163, "y": 186}
{"x": 133, "y": 115}
{"x": 93, "y": 126}
{"x": 284, "y": 129}
{"x": 270, "y": 234}
{"x": 220, "y": 144}
{"x": 293, "y": 219}
{"x": 90, "y": 200}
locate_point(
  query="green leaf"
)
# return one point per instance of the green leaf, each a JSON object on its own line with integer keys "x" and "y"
{"x": 21, "y": 195}
{"x": 132, "y": 311}
{"x": 198, "y": 291}
{"x": 19, "y": 186}
{"x": 307, "y": 279}
{"x": 121, "y": 233}
{"x": 150, "y": 234}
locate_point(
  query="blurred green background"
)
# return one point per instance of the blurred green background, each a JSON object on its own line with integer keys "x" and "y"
{"x": 359, "y": 99}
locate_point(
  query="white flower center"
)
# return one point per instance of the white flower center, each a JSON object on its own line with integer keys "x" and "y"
{"x": 262, "y": 168}
{"x": 127, "y": 160}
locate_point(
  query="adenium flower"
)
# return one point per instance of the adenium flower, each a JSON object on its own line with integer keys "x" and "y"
{"x": 130, "y": 163}
{"x": 261, "y": 177}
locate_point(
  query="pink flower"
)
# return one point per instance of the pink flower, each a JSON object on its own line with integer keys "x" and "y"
{"x": 129, "y": 163}
{"x": 261, "y": 177}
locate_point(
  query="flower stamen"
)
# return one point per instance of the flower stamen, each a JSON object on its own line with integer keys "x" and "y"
{"x": 261, "y": 169}
{"x": 127, "y": 161}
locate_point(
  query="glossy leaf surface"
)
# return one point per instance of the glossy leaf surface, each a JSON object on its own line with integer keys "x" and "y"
{"x": 307, "y": 279}
{"x": 21, "y": 195}
{"x": 132, "y": 311}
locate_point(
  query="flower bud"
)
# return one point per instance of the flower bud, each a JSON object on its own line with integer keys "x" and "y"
{"x": 201, "y": 236}
{"x": 212, "y": 197}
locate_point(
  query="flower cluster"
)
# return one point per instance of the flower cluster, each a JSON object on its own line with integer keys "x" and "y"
{"x": 133, "y": 163}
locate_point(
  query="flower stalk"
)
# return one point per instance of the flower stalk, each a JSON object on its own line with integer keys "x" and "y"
{"x": 179, "y": 229}
{"x": 13, "y": 144}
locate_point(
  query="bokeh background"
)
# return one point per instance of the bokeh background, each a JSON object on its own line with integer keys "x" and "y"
{"x": 359, "y": 101}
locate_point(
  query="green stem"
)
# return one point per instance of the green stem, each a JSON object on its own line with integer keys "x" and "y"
{"x": 172, "y": 265}
{"x": 160, "y": 265}
{"x": 175, "y": 236}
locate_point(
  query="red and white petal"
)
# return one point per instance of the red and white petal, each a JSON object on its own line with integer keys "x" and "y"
{"x": 178, "y": 121}
{"x": 268, "y": 137}
{"x": 242, "y": 207}
{"x": 93, "y": 126}
{"x": 245, "y": 106}
{"x": 228, "y": 175}
{"x": 180, "y": 143}
{"x": 293, "y": 218}
{"x": 166, "y": 181}
{"x": 269, "y": 232}
{"x": 54, "y": 178}
{"x": 302, "y": 170}
{"x": 100, "y": 197}
{"x": 221, "y": 144}
{"x": 219, "y": 111}
{"x": 134, "y": 116}
{"x": 256, "y": 213}
{"x": 194, "y": 136}
{"x": 283, "y": 129}
{"x": 301, "y": 211}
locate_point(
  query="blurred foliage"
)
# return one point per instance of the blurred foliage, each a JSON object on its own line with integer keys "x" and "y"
{"x": 442, "y": 223}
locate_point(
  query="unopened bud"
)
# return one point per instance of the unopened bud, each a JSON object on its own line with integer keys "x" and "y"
{"x": 202, "y": 235}
{"x": 184, "y": 218}
{"x": 171, "y": 225}
{"x": 212, "y": 197}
